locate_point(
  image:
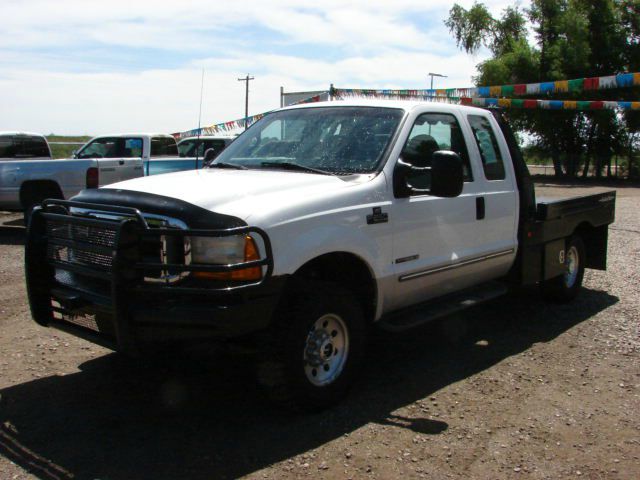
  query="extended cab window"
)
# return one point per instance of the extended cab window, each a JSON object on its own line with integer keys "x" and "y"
{"x": 132, "y": 148}
{"x": 488, "y": 145}
{"x": 432, "y": 132}
{"x": 164, "y": 147}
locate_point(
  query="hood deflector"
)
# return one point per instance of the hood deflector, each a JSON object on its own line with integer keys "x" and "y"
{"x": 192, "y": 215}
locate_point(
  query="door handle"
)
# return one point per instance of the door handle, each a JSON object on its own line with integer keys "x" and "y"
{"x": 480, "y": 208}
{"x": 121, "y": 162}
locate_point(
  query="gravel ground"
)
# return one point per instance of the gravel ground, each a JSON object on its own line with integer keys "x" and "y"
{"x": 512, "y": 389}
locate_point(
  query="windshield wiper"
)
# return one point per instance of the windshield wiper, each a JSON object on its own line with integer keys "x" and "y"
{"x": 227, "y": 165}
{"x": 295, "y": 166}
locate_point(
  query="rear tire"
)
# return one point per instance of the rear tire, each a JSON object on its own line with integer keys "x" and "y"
{"x": 565, "y": 287}
{"x": 315, "y": 349}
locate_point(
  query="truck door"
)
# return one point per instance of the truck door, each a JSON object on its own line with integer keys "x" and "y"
{"x": 497, "y": 194}
{"x": 119, "y": 158}
{"x": 129, "y": 160}
{"x": 438, "y": 248}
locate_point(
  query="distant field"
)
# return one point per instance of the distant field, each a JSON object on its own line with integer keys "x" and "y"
{"x": 65, "y": 151}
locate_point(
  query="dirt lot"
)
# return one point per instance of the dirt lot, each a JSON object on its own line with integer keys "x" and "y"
{"x": 512, "y": 389}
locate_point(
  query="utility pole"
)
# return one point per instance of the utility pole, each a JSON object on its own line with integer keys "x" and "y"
{"x": 246, "y": 99}
{"x": 431, "y": 89}
{"x": 435, "y": 75}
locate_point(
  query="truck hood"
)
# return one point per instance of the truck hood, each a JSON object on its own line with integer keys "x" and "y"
{"x": 243, "y": 193}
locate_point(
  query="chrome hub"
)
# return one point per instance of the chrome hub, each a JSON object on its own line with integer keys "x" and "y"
{"x": 326, "y": 350}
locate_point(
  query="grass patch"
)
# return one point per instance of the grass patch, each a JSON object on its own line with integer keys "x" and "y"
{"x": 65, "y": 151}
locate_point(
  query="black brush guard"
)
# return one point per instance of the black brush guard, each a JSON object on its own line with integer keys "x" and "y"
{"x": 85, "y": 274}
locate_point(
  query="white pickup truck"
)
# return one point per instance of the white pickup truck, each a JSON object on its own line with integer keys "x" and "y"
{"x": 158, "y": 151}
{"x": 28, "y": 174}
{"x": 316, "y": 223}
{"x": 26, "y": 180}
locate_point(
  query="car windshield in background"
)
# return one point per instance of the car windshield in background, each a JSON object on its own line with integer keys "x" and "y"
{"x": 21, "y": 147}
{"x": 187, "y": 148}
{"x": 340, "y": 140}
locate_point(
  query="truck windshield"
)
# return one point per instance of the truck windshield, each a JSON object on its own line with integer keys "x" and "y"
{"x": 341, "y": 140}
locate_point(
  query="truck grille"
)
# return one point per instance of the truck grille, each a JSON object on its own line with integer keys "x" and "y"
{"x": 94, "y": 247}
{"x": 82, "y": 245}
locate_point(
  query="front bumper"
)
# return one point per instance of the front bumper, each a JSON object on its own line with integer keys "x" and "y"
{"x": 86, "y": 276}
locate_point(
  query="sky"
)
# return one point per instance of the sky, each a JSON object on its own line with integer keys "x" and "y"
{"x": 94, "y": 67}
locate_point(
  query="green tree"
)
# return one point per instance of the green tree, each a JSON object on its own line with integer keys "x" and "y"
{"x": 573, "y": 38}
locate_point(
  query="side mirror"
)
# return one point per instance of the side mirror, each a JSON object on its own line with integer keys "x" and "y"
{"x": 446, "y": 176}
{"x": 74, "y": 154}
{"x": 401, "y": 174}
{"x": 209, "y": 155}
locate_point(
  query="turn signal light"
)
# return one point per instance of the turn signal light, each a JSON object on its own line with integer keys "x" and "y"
{"x": 244, "y": 274}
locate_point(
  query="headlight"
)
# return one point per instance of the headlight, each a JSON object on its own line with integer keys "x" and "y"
{"x": 226, "y": 251}
{"x": 217, "y": 250}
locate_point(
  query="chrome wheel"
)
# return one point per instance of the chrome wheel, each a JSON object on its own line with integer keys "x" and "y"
{"x": 572, "y": 263}
{"x": 326, "y": 350}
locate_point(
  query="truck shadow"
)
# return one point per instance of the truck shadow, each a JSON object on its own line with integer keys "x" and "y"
{"x": 12, "y": 235}
{"x": 208, "y": 419}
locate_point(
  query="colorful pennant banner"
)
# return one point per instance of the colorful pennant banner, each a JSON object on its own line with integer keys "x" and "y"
{"x": 499, "y": 95}
{"x": 233, "y": 124}
{"x": 220, "y": 127}
{"x": 550, "y": 104}
{"x": 623, "y": 80}
{"x": 495, "y": 102}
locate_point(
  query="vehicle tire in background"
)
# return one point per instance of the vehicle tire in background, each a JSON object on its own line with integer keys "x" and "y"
{"x": 33, "y": 194}
{"x": 314, "y": 349}
{"x": 565, "y": 287}
{"x": 26, "y": 215}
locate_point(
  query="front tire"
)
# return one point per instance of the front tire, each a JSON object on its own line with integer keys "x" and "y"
{"x": 315, "y": 349}
{"x": 565, "y": 287}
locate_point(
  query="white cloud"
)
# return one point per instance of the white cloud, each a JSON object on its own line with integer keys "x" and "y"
{"x": 56, "y": 83}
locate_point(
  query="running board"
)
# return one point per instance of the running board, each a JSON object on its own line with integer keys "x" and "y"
{"x": 425, "y": 312}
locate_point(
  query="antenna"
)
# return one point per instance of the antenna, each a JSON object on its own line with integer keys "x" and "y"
{"x": 199, "y": 119}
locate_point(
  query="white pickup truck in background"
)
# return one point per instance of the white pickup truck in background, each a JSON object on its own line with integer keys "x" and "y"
{"x": 28, "y": 174}
{"x": 316, "y": 224}
{"x": 158, "y": 151}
